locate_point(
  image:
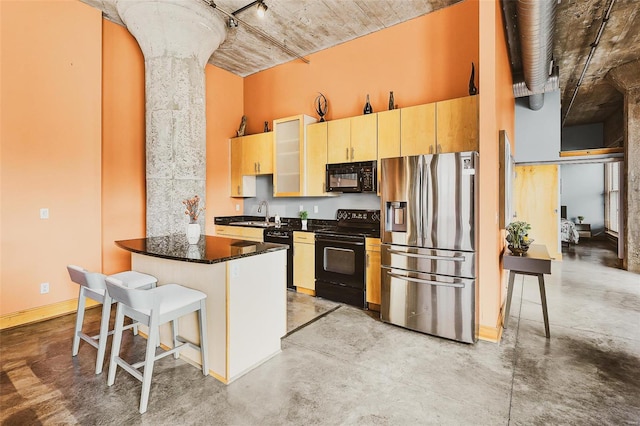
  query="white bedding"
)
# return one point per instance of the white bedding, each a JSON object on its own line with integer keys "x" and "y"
{"x": 568, "y": 232}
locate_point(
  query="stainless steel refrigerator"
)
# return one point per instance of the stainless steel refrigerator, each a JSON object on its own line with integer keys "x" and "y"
{"x": 428, "y": 234}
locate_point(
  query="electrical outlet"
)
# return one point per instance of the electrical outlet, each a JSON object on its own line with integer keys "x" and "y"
{"x": 44, "y": 213}
{"x": 301, "y": 208}
{"x": 44, "y": 288}
{"x": 237, "y": 207}
{"x": 315, "y": 209}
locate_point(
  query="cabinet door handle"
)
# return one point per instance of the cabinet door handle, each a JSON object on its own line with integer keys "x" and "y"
{"x": 238, "y": 189}
{"x": 347, "y": 154}
{"x": 439, "y": 150}
{"x": 258, "y": 167}
{"x": 367, "y": 260}
{"x": 351, "y": 153}
{"x": 430, "y": 149}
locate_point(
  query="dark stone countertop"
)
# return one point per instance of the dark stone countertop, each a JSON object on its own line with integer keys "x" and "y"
{"x": 209, "y": 249}
{"x": 289, "y": 224}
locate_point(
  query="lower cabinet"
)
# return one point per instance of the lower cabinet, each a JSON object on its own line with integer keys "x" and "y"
{"x": 240, "y": 232}
{"x": 304, "y": 262}
{"x": 372, "y": 273}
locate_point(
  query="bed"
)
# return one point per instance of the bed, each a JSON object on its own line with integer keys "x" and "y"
{"x": 568, "y": 232}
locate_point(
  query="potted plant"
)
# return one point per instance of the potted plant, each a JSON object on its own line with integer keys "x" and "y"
{"x": 303, "y": 218}
{"x": 518, "y": 238}
{"x": 193, "y": 211}
{"x": 580, "y": 219}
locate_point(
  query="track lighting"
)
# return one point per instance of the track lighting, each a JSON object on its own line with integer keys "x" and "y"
{"x": 261, "y": 9}
{"x": 232, "y": 23}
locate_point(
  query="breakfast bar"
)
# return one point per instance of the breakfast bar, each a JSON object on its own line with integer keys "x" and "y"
{"x": 245, "y": 284}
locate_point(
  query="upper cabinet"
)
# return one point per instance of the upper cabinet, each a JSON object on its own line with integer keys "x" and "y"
{"x": 250, "y": 156}
{"x": 257, "y": 154}
{"x": 241, "y": 185}
{"x": 457, "y": 124}
{"x": 388, "y": 137}
{"x": 418, "y": 130}
{"x": 353, "y": 139}
{"x": 316, "y": 160}
{"x": 290, "y": 151}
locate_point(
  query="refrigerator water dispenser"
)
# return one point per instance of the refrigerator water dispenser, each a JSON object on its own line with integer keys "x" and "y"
{"x": 396, "y": 214}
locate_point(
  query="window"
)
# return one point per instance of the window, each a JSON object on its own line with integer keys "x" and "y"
{"x": 612, "y": 196}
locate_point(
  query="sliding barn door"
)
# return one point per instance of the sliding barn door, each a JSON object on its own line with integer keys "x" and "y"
{"x": 537, "y": 201}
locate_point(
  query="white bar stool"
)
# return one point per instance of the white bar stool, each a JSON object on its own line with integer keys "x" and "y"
{"x": 92, "y": 286}
{"x": 153, "y": 308}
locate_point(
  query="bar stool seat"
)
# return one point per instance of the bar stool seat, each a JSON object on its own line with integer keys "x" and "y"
{"x": 153, "y": 308}
{"x": 92, "y": 286}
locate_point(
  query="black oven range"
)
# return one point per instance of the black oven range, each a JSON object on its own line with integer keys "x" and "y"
{"x": 341, "y": 256}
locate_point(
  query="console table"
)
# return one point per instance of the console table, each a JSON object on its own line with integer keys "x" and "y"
{"x": 536, "y": 261}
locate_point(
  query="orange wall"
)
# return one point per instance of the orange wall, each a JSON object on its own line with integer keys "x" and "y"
{"x": 123, "y": 145}
{"x": 424, "y": 60}
{"x": 496, "y": 112}
{"x": 50, "y": 143}
{"x": 223, "y": 108}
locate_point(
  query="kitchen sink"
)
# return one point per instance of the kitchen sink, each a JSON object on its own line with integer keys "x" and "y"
{"x": 260, "y": 224}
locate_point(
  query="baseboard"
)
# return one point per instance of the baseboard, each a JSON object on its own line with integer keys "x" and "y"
{"x": 42, "y": 313}
{"x": 492, "y": 334}
{"x": 306, "y": 291}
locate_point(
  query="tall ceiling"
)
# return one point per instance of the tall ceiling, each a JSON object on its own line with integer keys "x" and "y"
{"x": 295, "y": 28}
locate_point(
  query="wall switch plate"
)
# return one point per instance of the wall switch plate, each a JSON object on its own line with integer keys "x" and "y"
{"x": 237, "y": 207}
{"x": 315, "y": 209}
{"x": 301, "y": 208}
{"x": 44, "y": 213}
{"x": 44, "y": 288}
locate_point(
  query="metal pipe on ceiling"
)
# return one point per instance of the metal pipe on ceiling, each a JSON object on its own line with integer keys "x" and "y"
{"x": 594, "y": 45}
{"x": 536, "y": 20}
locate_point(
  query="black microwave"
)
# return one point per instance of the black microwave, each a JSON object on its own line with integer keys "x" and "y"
{"x": 352, "y": 177}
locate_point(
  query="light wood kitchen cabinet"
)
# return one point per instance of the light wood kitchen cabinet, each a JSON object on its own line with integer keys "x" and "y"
{"x": 364, "y": 137}
{"x": 257, "y": 154}
{"x": 372, "y": 273}
{"x": 290, "y": 154}
{"x": 388, "y": 137}
{"x": 241, "y": 185}
{"x": 316, "y": 160}
{"x": 418, "y": 130}
{"x": 240, "y": 232}
{"x": 353, "y": 139}
{"x": 339, "y": 141}
{"x": 457, "y": 124}
{"x": 304, "y": 263}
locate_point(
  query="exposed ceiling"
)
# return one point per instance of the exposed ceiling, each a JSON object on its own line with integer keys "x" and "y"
{"x": 308, "y": 26}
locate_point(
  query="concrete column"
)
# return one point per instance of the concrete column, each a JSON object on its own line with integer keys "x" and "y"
{"x": 177, "y": 38}
{"x": 626, "y": 78}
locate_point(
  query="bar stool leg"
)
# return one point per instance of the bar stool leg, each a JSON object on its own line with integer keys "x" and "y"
{"x": 79, "y": 319}
{"x": 149, "y": 359}
{"x": 512, "y": 277}
{"x": 104, "y": 332}
{"x": 204, "y": 341}
{"x": 543, "y": 299}
{"x": 115, "y": 347}
{"x": 174, "y": 336}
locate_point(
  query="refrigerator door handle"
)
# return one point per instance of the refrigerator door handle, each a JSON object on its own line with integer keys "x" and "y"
{"x": 427, "y": 256}
{"x": 423, "y": 281}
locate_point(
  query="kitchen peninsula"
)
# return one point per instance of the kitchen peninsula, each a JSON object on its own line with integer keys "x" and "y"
{"x": 245, "y": 284}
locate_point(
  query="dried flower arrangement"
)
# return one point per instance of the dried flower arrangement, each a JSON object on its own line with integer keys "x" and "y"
{"x": 192, "y": 209}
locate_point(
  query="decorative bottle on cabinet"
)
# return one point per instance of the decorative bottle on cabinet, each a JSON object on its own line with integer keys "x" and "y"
{"x": 367, "y": 106}
{"x": 391, "y": 101}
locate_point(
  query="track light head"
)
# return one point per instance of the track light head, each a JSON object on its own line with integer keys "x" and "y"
{"x": 261, "y": 9}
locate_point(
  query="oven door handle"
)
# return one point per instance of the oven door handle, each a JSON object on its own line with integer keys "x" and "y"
{"x": 337, "y": 241}
{"x": 423, "y": 281}
{"x": 428, "y": 256}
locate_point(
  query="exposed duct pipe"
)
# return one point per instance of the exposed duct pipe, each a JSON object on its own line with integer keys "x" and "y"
{"x": 521, "y": 90}
{"x": 536, "y": 20}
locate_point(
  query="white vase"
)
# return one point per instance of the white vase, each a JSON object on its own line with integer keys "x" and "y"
{"x": 304, "y": 224}
{"x": 193, "y": 233}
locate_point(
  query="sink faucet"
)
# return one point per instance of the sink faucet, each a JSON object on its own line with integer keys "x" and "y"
{"x": 266, "y": 213}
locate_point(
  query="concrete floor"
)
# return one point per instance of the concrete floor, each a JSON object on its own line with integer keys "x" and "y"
{"x": 347, "y": 367}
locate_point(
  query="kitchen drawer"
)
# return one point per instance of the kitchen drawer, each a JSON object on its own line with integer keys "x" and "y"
{"x": 304, "y": 237}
